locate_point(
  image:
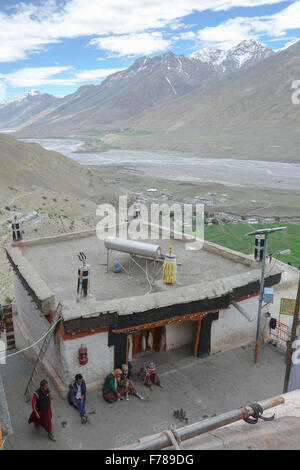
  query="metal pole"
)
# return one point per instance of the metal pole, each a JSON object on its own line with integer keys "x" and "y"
{"x": 206, "y": 425}
{"x": 290, "y": 349}
{"x": 261, "y": 297}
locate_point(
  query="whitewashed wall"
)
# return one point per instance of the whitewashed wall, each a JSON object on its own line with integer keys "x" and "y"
{"x": 100, "y": 359}
{"x": 180, "y": 334}
{"x": 63, "y": 355}
{"x": 233, "y": 330}
{"x": 36, "y": 324}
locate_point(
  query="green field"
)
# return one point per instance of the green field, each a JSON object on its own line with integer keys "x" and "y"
{"x": 233, "y": 237}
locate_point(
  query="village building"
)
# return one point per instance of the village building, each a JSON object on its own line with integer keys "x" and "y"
{"x": 129, "y": 310}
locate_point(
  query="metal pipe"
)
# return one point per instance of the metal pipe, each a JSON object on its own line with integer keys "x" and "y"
{"x": 261, "y": 297}
{"x": 206, "y": 425}
{"x": 241, "y": 310}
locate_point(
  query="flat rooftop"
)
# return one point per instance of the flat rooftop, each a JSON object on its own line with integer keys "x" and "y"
{"x": 205, "y": 273}
{"x": 57, "y": 264}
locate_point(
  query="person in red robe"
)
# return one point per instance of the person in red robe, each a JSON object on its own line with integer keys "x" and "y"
{"x": 41, "y": 405}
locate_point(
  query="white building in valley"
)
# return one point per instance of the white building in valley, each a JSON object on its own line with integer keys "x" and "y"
{"x": 133, "y": 312}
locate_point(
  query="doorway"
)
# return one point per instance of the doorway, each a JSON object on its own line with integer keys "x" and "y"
{"x": 153, "y": 339}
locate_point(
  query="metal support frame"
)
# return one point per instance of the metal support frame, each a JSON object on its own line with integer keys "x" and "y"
{"x": 134, "y": 259}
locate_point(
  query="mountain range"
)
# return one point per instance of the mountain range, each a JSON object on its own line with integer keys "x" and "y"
{"x": 247, "y": 114}
{"x": 17, "y": 112}
{"x": 148, "y": 82}
{"x": 232, "y": 104}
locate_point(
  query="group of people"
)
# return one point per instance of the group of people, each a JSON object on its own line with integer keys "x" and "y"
{"x": 117, "y": 386}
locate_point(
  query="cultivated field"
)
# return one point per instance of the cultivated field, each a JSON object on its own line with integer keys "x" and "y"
{"x": 234, "y": 237}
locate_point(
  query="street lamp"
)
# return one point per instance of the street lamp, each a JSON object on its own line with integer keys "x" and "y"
{"x": 261, "y": 255}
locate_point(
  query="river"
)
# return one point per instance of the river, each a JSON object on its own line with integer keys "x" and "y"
{"x": 174, "y": 166}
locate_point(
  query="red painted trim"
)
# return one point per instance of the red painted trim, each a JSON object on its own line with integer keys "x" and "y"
{"x": 247, "y": 297}
{"x": 69, "y": 336}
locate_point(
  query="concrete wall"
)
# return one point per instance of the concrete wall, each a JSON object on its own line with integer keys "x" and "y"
{"x": 180, "y": 334}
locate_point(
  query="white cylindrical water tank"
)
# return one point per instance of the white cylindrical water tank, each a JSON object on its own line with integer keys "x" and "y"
{"x": 133, "y": 247}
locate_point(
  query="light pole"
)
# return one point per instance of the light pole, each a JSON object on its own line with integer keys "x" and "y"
{"x": 264, "y": 233}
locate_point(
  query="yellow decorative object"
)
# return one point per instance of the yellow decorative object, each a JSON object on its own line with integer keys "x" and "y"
{"x": 170, "y": 268}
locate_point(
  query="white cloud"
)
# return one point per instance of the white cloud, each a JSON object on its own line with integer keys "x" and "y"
{"x": 2, "y": 91}
{"x": 133, "y": 44}
{"x": 92, "y": 75}
{"x": 237, "y": 29}
{"x": 188, "y": 36}
{"x": 38, "y": 76}
{"x": 30, "y": 27}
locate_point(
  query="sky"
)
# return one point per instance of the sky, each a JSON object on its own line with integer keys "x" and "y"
{"x": 56, "y": 46}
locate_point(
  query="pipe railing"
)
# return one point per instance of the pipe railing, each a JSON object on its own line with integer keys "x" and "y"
{"x": 162, "y": 441}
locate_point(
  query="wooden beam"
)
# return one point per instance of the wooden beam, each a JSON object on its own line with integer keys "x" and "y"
{"x": 168, "y": 321}
{"x": 127, "y": 349}
{"x": 197, "y": 338}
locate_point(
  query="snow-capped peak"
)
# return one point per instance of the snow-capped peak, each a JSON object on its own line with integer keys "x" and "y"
{"x": 214, "y": 56}
{"x": 20, "y": 99}
{"x": 244, "y": 53}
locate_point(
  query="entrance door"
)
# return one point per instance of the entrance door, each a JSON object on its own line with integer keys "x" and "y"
{"x": 148, "y": 340}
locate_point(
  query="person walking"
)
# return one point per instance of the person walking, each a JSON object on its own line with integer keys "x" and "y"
{"x": 41, "y": 405}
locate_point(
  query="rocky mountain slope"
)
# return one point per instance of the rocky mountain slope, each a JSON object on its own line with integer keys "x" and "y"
{"x": 16, "y": 112}
{"x": 25, "y": 165}
{"x": 149, "y": 82}
{"x": 248, "y": 114}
